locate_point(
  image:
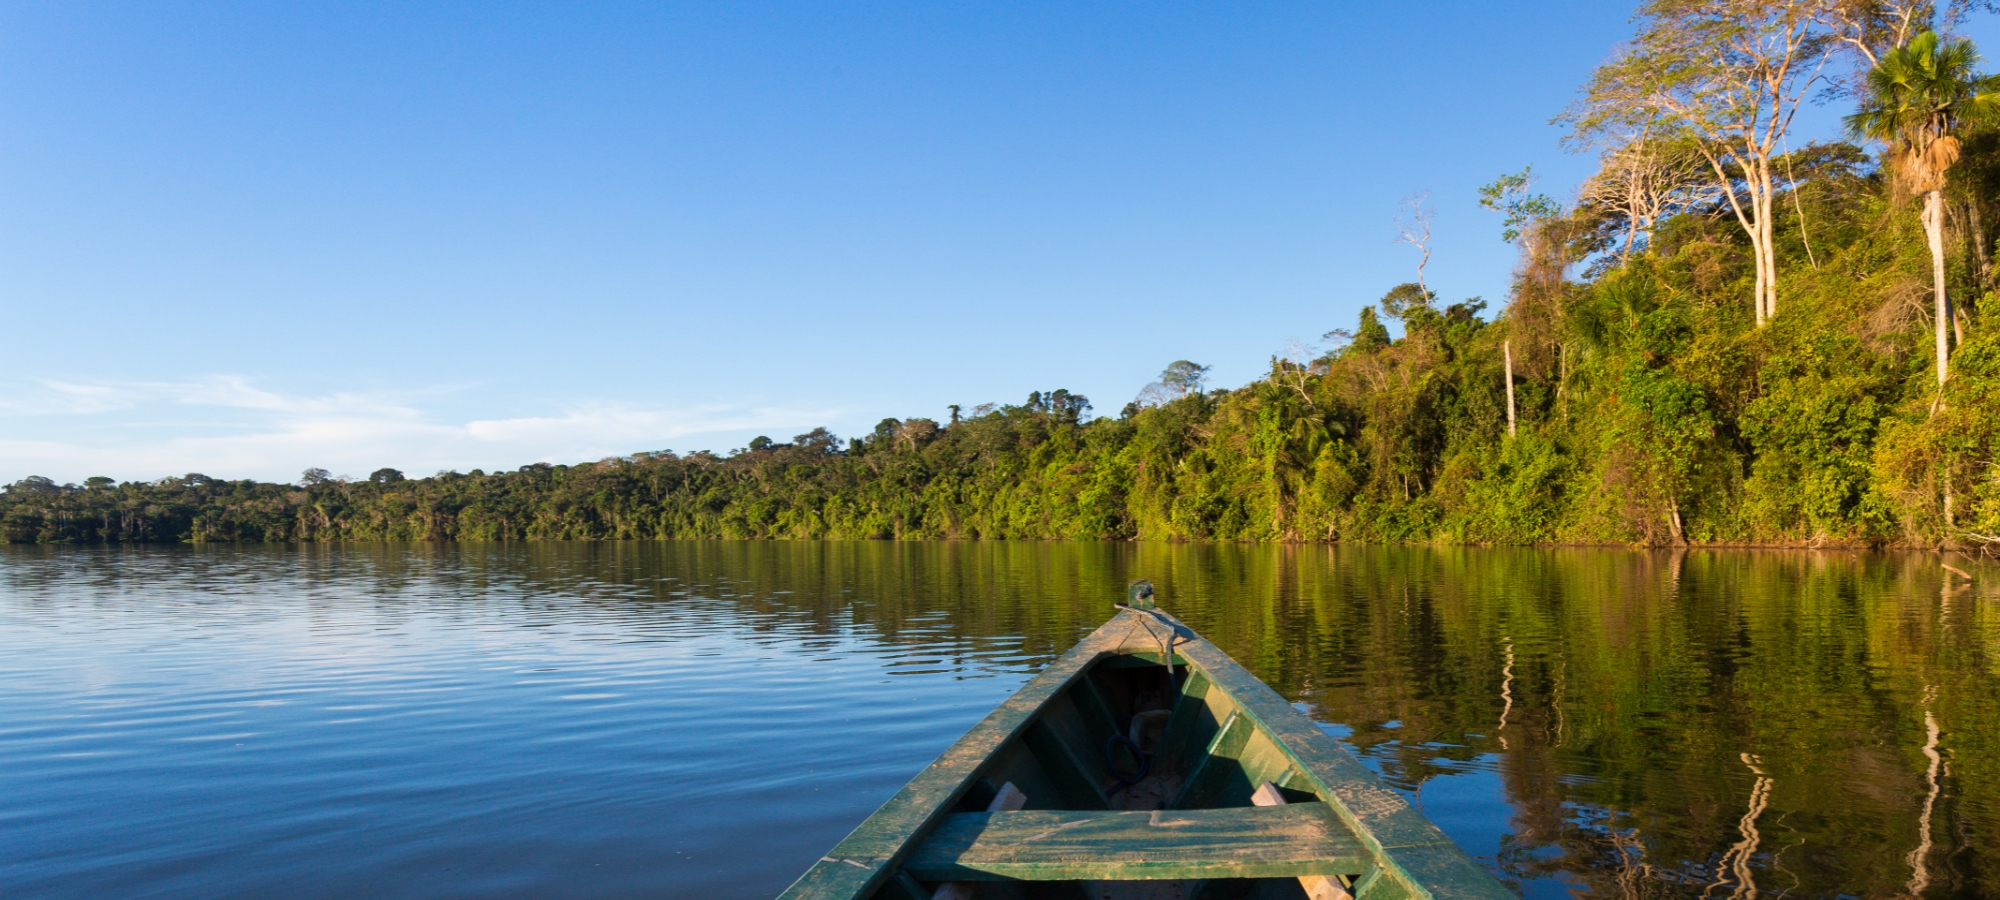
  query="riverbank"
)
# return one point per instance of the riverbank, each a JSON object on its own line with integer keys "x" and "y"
{"x": 752, "y": 495}
{"x": 1009, "y": 473}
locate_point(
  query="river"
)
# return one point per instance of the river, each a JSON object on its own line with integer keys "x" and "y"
{"x": 704, "y": 719}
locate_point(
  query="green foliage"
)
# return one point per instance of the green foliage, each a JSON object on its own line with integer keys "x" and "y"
{"x": 1812, "y": 430}
{"x": 1404, "y": 300}
{"x": 1184, "y": 377}
{"x": 1508, "y": 195}
{"x": 1921, "y": 92}
{"x": 1920, "y": 460}
{"x": 1651, "y": 411}
{"x": 1369, "y": 336}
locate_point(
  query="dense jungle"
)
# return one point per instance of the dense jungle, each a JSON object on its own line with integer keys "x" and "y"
{"x": 1715, "y": 340}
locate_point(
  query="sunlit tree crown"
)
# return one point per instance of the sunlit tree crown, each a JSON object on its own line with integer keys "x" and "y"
{"x": 1917, "y": 96}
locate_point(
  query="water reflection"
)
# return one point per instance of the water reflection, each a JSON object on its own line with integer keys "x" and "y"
{"x": 1587, "y": 722}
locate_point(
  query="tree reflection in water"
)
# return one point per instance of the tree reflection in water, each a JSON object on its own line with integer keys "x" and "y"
{"x": 1581, "y": 720}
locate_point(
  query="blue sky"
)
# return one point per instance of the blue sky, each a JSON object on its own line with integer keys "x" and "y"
{"x": 245, "y": 240}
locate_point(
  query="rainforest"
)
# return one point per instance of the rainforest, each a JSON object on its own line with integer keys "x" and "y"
{"x": 1724, "y": 337}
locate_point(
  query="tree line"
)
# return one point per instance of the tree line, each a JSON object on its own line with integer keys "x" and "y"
{"x": 1729, "y": 334}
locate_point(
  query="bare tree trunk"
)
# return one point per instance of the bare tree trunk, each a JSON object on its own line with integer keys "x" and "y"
{"x": 1768, "y": 262}
{"x": 1507, "y": 347}
{"x": 1770, "y": 251}
{"x": 1756, "y": 224}
{"x": 1763, "y": 261}
{"x": 1804, "y": 235}
{"x": 1934, "y": 233}
{"x": 1759, "y": 299}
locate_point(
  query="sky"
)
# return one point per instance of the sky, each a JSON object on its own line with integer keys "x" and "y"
{"x": 245, "y": 240}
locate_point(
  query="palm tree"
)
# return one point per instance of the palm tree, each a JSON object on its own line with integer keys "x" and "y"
{"x": 1917, "y": 97}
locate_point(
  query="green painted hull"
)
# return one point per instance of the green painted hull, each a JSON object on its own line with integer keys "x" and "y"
{"x": 1187, "y": 829}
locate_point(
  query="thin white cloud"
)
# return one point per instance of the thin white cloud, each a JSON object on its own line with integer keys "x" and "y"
{"x": 62, "y": 398}
{"x": 224, "y": 391}
{"x": 227, "y": 427}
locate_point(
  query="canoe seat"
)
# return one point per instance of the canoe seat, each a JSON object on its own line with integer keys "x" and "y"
{"x": 1062, "y": 845}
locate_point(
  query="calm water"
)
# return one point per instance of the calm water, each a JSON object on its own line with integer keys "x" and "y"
{"x": 705, "y": 719}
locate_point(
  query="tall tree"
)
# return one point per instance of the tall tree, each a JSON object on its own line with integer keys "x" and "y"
{"x": 1413, "y": 227}
{"x": 1184, "y": 378}
{"x": 1508, "y": 195}
{"x": 1730, "y": 75}
{"x": 1870, "y": 28}
{"x": 1918, "y": 96}
{"x": 1536, "y": 223}
{"x": 1642, "y": 181}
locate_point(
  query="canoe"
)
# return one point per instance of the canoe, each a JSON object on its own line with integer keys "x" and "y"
{"x": 1111, "y": 775}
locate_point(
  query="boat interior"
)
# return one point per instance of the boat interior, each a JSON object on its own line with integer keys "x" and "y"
{"x": 1133, "y": 782}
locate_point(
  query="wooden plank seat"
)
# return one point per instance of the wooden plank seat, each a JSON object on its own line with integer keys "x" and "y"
{"x": 1300, "y": 839}
{"x": 1227, "y": 734}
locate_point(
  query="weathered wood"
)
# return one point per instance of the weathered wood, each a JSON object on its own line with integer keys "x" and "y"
{"x": 1076, "y": 778}
{"x": 1318, "y": 887}
{"x": 1217, "y": 766}
{"x": 1083, "y": 737}
{"x": 1143, "y": 659}
{"x": 1008, "y": 799}
{"x": 903, "y": 887}
{"x": 1048, "y": 845}
{"x": 1243, "y": 733}
{"x": 1417, "y": 859}
{"x": 1260, "y": 761}
{"x": 863, "y": 860}
{"x": 1096, "y": 711}
{"x": 1191, "y": 723}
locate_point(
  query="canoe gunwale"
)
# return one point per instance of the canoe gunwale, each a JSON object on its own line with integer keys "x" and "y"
{"x": 1407, "y": 847}
{"x": 1408, "y": 850}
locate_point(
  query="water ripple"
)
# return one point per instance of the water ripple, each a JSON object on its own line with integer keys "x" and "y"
{"x": 703, "y": 719}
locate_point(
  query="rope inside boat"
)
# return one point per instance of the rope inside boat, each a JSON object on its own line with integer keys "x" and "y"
{"x": 1111, "y": 759}
{"x": 1142, "y": 593}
